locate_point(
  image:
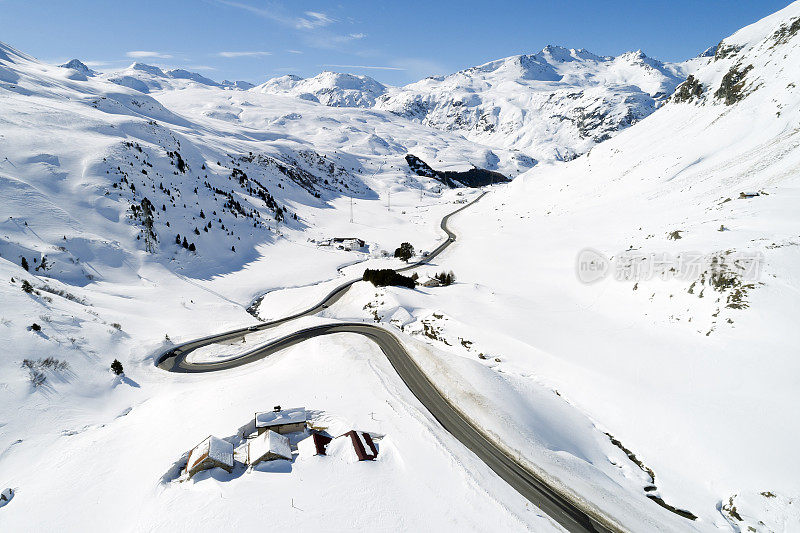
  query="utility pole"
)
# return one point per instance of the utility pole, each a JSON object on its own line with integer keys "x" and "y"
{"x": 389, "y": 194}
{"x": 351, "y": 209}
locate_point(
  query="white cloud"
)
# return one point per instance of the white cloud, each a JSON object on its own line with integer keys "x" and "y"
{"x": 370, "y": 67}
{"x": 244, "y": 54}
{"x": 313, "y": 19}
{"x": 144, "y": 53}
{"x": 294, "y": 51}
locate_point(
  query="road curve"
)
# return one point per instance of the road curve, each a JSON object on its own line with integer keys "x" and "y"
{"x": 329, "y": 299}
{"x": 561, "y": 509}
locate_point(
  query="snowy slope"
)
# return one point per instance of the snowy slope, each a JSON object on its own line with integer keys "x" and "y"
{"x": 694, "y": 373}
{"x": 97, "y": 181}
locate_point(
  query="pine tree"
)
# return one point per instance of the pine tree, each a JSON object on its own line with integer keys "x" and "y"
{"x": 185, "y": 243}
{"x": 178, "y": 239}
{"x": 24, "y": 263}
{"x": 116, "y": 367}
{"x": 192, "y": 248}
{"x": 405, "y": 252}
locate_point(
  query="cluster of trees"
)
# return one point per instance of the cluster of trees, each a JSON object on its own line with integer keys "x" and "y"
{"x": 386, "y": 276}
{"x": 405, "y": 251}
{"x": 446, "y": 278}
{"x": 186, "y": 244}
{"x": 44, "y": 265}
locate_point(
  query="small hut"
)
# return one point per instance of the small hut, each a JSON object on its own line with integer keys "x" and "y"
{"x": 211, "y": 453}
{"x": 281, "y": 420}
{"x": 268, "y": 446}
{"x": 362, "y": 444}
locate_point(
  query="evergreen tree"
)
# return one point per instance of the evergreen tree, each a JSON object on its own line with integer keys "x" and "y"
{"x": 24, "y": 263}
{"x": 405, "y": 252}
{"x": 116, "y": 367}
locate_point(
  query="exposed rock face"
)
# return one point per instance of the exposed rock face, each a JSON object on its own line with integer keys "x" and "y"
{"x": 688, "y": 90}
{"x": 732, "y": 85}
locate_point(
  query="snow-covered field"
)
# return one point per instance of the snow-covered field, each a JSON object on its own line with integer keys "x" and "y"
{"x": 149, "y": 215}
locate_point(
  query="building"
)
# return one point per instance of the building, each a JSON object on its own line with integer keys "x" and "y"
{"x": 433, "y": 282}
{"x": 281, "y": 420}
{"x": 316, "y": 444}
{"x": 350, "y": 243}
{"x": 362, "y": 444}
{"x": 211, "y": 453}
{"x": 268, "y": 446}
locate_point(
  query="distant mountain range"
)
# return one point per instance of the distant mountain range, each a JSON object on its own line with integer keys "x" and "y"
{"x": 552, "y": 105}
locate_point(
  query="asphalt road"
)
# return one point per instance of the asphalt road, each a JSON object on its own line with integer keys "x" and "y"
{"x": 556, "y": 505}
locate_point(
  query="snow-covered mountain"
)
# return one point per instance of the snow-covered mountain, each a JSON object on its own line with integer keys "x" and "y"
{"x": 148, "y": 78}
{"x": 328, "y": 88}
{"x": 78, "y": 66}
{"x": 147, "y": 207}
{"x": 552, "y": 105}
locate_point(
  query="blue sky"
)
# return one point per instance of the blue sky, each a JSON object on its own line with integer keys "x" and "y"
{"x": 394, "y": 42}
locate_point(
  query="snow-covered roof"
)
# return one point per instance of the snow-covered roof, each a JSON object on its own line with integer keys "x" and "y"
{"x": 268, "y": 442}
{"x": 279, "y": 418}
{"x": 353, "y": 446}
{"x": 216, "y": 449}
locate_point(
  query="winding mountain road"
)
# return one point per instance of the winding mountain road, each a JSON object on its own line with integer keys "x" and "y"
{"x": 559, "y": 507}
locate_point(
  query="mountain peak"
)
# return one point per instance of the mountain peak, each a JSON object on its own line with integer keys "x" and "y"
{"x": 79, "y": 66}
{"x": 150, "y": 69}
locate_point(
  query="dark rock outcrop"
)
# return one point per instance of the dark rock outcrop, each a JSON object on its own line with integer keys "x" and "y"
{"x": 474, "y": 177}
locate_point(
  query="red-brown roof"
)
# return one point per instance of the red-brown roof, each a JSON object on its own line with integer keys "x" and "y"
{"x": 320, "y": 442}
{"x": 363, "y": 445}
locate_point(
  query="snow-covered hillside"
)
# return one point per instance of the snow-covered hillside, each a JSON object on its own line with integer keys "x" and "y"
{"x": 684, "y": 347}
{"x": 128, "y": 223}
